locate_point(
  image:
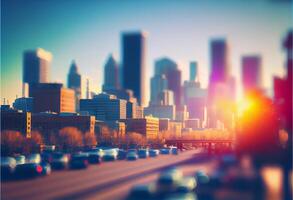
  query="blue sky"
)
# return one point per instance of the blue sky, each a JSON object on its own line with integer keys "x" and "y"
{"x": 89, "y": 30}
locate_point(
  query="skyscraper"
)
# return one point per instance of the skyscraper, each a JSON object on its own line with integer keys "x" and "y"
{"x": 169, "y": 68}
{"x": 219, "y": 65}
{"x": 193, "y": 73}
{"x": 36, "y": 66}
{"x": 251, "y": 72}
{"x": 159, "y": 83}
{"x": 133, "y": 59}
{"x": 111, "y": 75}
{"x": 74, "y": 82}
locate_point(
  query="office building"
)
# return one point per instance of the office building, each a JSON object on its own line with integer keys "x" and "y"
{"x": 148, "y": 126}
{"x": 24, "y": 104}
{"x": 160, "y": 111}
{"x": 164, "y": 124}
{"x": 133, "y": 61}
{"x": 111, "y": 75}
{"x": 219, "y": 63}
{"x": 181, "y": 113}
{"x": 159, "y": 83}
{"x": 192, "y": 124}
{"x": 105, "y": 107}
{"x": 36, "y": 66}
{"x": 251, "y": 73}
{"x": 52, "y": 97}
{"x": 74, "y": 83}
{"x": 193, "y": 71}
{"x": 169, "y": 68}
{"x": 16, "y": 121}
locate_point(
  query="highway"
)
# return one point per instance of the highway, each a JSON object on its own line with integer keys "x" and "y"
{"x": 108, "y": 180}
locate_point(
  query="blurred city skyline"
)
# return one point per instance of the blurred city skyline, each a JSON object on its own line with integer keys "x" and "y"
{"x": 180, "y": 30}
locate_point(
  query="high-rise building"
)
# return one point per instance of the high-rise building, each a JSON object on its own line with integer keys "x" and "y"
{"x": 111, "y": 75}
{"x": 36, "y": 66}
{"x": 133, "y": 59}
{"x": 219, "y": 64}
{"x": 105, "y": 107}
{"x": 193, "y": 71}
{"x": 52, "y": 97}
{"x": 159, "y": 83}
{"x": 251, "y": 72}
{"x": 169, "y": 68}
{"x": 74, "y": 83}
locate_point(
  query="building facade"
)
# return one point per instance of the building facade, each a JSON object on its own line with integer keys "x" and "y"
{"x": 148, "y": 126}
{"x": 111, "y": 75}
{"x": 105, "y": 107}
{"x": 52, "y": 97}
{"x": 74, "y": 83}
{"x": 16, "y": 121}
{"x": 133, "y": 61}
{"x": 36, "y": 66}
{"x": 251, "y": 73}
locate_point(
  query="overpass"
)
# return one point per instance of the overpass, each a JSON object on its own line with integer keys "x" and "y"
{"x": 209, "y": 144}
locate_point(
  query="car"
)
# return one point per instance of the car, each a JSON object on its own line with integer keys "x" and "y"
{"x": 110, "y": 155}
{"x": 165, "y": 151}
{"x": 46, "y": 157}
{"x": 8, "y": 165}
{"x": 59, "y": 160}
{"x": 20, "y": 159}
{"x": 186, "y": 185}
{"x": 33, "y": 158}
{"x": 154, "y": 152}
{"x": 79, "y": 161}
{"x": 132, "y": 150}
{"x": 174, "y": 150}
{"x": 201, "y": 177}
{"x": 94, "y": 157}
{"x": 32, "y": 169}
{"x": 121, "y": 154}
{"x": 169, "y": 180}
{"x": 143, "y": 153}
{"x": 131, "y": 156}
{"x": 141, "y": 192}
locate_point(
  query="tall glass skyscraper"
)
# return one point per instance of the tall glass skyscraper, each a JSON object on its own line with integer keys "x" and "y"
{"x": 133, "y": 61}
{"x": 111, "y": 75}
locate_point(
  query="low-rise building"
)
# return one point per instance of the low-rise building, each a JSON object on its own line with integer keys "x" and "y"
{"x": 164, "y": 124}
{"x": 48, "y": 123}
{"x": 104, "y": 107}
{"x": 160, "y": 111}
{"x": 148, "y": 126}
{"x": 16, "y": 120}
{"x": 192, "y": 123}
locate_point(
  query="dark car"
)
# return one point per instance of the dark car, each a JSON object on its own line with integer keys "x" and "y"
{"x": 141, "y": 192}
{"x": 154, "y": 152}
{"x": 59, "y": 160}
{"x": 46, "y": 157}
{"x": 121, "y": 154}
{"x": 165, "y": 151}
{"x": 143, "y": 153}
{"x": 32, "y": 169}
{"x": 79, "y": 161}
{"x": 94, "y": 156}
{"x": 8, "y": 165}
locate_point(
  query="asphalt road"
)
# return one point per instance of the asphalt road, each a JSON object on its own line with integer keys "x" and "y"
{"x": 109, "y": 180}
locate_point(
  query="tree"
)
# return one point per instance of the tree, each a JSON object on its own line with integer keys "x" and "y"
{"x": 11, "y": 142}
{"x": 89, "y": 139}
{"x": 32, "y": 144}
{"x": 69, "y": 138}
{"x": 134, "y": 139}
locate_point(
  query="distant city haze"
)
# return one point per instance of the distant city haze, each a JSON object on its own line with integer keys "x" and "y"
{"x": 88, "y": 32}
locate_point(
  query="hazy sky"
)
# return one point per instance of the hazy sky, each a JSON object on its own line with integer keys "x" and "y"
{"x": 89, "y": 30}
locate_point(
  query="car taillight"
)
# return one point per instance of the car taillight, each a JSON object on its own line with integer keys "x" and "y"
{"x": 39, "y": 169}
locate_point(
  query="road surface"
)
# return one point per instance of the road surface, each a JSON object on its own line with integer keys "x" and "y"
{"x": 109, "y": 180}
